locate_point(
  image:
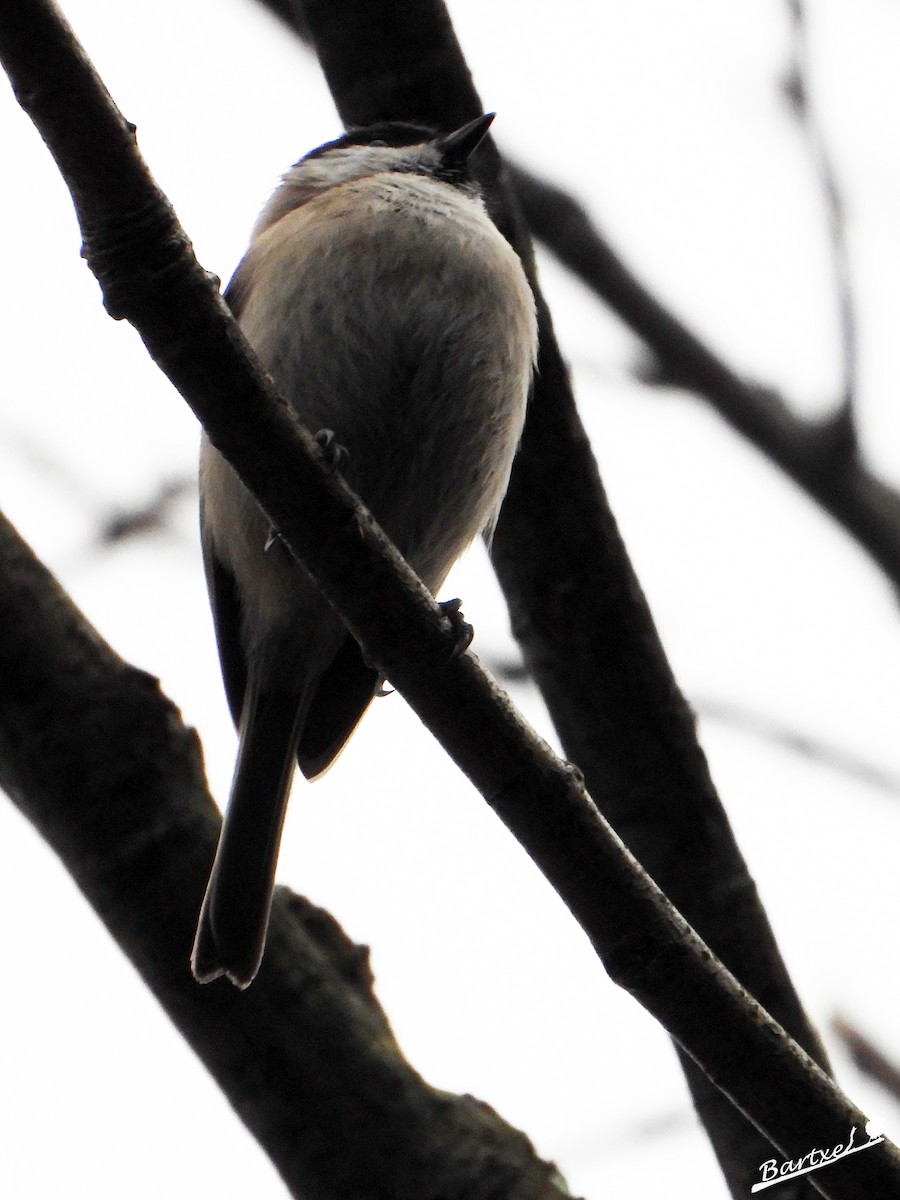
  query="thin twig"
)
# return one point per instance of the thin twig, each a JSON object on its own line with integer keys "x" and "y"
{"x": 116, "y": 523}
{"x": 817, "y": 455}
{"x": 867, "y": 1057}
{"x": 797, "y": 89}
{"x": 149, "y": 517}
{"x": 815, "y": 749}
{"x": 757, "y": 725}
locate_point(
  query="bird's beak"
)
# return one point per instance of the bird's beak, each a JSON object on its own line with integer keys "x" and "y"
{"x": 456, "y": 147}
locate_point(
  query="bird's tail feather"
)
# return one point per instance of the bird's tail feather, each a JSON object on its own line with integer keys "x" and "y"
{"x": 231, "y": 934}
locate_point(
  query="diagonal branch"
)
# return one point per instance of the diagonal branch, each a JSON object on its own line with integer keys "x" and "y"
{"x": 98, "y": 759}
{"x": 758, "y": 725}
{"x": 818, "y": 455}
{"x": 575, "y": 603}
{"x": 816, "y": 750}
{"x": 821, "y": 457}
{"x": 149, "y": 517}
{"x": 149, "y": 274}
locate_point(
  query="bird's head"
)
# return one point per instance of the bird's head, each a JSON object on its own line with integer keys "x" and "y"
{"x": 391, "y": 146}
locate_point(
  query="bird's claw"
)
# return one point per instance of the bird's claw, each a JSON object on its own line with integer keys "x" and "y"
{"x": 459, "y": 626}
{"x": 334, "y": 455}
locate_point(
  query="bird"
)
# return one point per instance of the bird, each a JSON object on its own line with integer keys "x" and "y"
{"x": 399, "y": 324}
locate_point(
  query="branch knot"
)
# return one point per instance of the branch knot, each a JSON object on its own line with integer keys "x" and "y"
{"x": 130, "y": 252}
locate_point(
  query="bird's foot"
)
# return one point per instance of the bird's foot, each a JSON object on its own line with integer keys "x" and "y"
{"x": 459, "y": 626}
{"x": 334, "y": 455}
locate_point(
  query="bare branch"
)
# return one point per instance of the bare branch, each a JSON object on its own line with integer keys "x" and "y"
{"x": 867, "y": 1057}
{"x": 148, "y": 274}
{"x": 821, "y": 457}
{"x": 815, "y": 749}
{"x": 757, "y": 725}
{"x": 148, "y": 517}
{"x": 98, "y": 759}
{"x": 575, "y": 603}
{"x": 817, "y": 455}
{"x": 797, "y": 89}
{"x": 114, "y": 523}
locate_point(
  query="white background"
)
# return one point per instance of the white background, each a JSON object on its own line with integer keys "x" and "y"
{"x": 670, "y": 120}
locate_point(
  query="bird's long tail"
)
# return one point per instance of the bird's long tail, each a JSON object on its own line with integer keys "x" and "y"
{"x": 231, "y": 933}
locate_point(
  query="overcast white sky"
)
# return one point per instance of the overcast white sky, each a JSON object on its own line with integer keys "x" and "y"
{"x": 668, "y": 118}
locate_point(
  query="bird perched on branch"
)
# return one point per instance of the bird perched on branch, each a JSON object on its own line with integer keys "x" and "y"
{"x": 399, "y": 324}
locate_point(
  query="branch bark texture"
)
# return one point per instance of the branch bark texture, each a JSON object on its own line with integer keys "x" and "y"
{"x": 148, "y": 274}
{"x": 98, "y": 759}
{"x": 575, "y": 603}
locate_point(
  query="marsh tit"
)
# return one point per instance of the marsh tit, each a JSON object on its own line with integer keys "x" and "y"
{"x": 399, "y": 324}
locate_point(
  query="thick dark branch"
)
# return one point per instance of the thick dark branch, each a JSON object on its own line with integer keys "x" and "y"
{"x": 575, "y": 603}
{"x": 820, "y": 456}
{"x": 98, "y": 759}
{"x": 158, "y": 285}
{"x": 291, "y": 13}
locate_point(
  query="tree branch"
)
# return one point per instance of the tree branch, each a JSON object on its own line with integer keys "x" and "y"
{"x": 817, "y": 455}
{"x": 98, "y": 759}
{"x": 149, "y": 517}
{"x": 575, "y": 603}
{"x": 816, "y": 750}
{"x": 797, "y": 89}
{"x": 766, "y": 729}
{"x": 867, "y": 1057}
{"x": 148, "y": 274}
